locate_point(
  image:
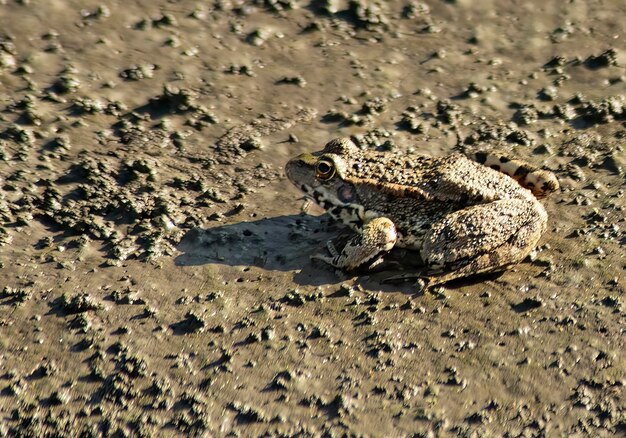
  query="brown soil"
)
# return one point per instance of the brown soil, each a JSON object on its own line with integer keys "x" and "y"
{"x": 155, "y": 275}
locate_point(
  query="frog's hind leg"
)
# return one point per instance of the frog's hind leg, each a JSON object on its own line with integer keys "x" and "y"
{"x": 481, "y": 239}
{"x": 378, "y": 236}
{"x": 485, "y": 263}
{"x": 539, "y": 181}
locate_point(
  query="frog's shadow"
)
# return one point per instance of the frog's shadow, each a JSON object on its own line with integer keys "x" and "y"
{"x": 282, "y": 243}
{"x": 286, "y": 243}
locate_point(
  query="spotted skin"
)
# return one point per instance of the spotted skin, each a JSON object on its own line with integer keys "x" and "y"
{"x": 464, "y": 216}
{"x": 540, "y": 182}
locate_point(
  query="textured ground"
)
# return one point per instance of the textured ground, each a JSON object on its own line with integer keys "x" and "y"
{"x": 155, "y": 274}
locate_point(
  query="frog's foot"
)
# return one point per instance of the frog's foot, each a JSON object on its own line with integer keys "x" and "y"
{"x": 332, "y": 250}
{"x": 364, "y": 249}
{"x": 421, "y": 283}
{"x": 377, "y": 264}
{"x": 401, "y": 278}
{"x": 330, "y": 246}
{"x": 482, "y": 239}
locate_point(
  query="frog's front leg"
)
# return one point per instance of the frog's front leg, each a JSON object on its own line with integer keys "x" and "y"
{"x": 377, "y": 236}
{"x": 483, "y": 238}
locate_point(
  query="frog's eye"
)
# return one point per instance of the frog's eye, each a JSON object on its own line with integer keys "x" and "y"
{"x": 324, "y": 169}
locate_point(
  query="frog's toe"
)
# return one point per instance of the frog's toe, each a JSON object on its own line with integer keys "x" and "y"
{"x": 330, "y": 246}
{"x": 322, "y": 258}
{"x": 422, "y": 284}
{"x": 400, "y": 278}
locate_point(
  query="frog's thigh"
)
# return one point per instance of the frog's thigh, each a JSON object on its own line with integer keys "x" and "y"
{"x": 378, "y": 235}
{"x": 484, "y": 238}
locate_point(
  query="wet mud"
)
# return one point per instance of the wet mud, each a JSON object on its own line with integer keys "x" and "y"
{"x": 154, "y": 260}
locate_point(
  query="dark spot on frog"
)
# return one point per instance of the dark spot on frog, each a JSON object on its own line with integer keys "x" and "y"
{"x": 481, "y": 157}
{"x": 522, "y": 171}
{"x": 335, "y": 211}
{"x": 317, "y": 196}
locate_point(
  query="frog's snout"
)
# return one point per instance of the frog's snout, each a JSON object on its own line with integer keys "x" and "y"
{"x": 299, "y": 170}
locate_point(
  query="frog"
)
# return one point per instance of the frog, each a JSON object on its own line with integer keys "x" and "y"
{"x": 461, "y": 215}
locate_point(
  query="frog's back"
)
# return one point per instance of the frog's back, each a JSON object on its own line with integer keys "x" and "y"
{"x": 483, "y": 177}
{"x": 389, "y": 167}
{"x": 450, "y": 178}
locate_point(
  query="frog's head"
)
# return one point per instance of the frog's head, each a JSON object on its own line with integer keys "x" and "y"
{"x": 322, "y": 175}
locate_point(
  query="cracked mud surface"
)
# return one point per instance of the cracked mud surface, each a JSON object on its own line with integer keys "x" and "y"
{"x": 154, "y": 268}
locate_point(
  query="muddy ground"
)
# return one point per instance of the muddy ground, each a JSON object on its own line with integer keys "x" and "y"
{"x": 155, "y": 275}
